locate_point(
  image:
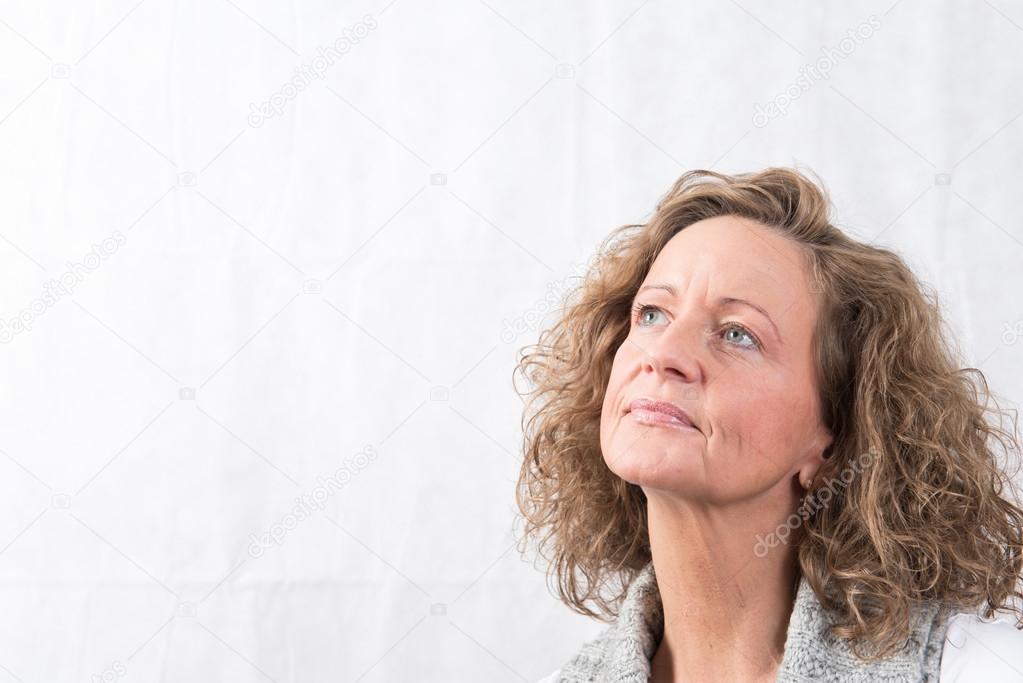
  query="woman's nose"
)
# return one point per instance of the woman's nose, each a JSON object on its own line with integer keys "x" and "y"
{"x": 672, "y": 353}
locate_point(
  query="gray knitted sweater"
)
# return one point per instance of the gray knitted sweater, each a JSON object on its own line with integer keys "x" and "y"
{"x": 623, "y": 651}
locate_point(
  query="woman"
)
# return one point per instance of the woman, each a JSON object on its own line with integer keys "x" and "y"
{"x": 751, "y": 430}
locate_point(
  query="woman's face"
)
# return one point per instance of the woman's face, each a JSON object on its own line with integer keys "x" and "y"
{"x": 745, "y": 378}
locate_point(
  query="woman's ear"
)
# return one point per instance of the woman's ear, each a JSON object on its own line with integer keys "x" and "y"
{"x": 816, "y": 460}
{"x": 807, "y": 474}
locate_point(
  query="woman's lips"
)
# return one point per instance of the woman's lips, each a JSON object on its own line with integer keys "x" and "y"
{"x": 658, "y": 419}
{"x": 654, "y": 412}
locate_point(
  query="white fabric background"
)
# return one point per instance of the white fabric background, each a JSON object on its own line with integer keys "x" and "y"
{"x": 358, "y": 272}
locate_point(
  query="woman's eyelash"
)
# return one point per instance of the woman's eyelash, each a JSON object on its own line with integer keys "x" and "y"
{"x": 639, "y": 309}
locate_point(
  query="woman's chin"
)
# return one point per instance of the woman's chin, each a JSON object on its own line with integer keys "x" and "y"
{"x": 655, "y": 466}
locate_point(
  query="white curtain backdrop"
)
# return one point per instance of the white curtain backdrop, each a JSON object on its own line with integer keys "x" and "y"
{"x": 267, "y": 267}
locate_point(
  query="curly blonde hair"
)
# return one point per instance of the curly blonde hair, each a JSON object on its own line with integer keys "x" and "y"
{"x": 932, "y": 518}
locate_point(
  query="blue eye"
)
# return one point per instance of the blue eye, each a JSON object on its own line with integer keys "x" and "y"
{"x": 736, "y": 326}
{"x": 640, "y": 310}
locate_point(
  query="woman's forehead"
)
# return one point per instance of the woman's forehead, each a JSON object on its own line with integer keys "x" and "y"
{"x": 724, "y": 252}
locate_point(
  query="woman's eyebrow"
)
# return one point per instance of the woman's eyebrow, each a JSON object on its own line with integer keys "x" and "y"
{"x": 723, "y": 301}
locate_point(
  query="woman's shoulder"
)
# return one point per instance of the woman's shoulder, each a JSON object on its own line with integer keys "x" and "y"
{"x": 550, "y": 678}
{"x": 980, "y": 650}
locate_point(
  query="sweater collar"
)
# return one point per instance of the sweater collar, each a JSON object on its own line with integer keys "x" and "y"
{"x": 623, "y": 651}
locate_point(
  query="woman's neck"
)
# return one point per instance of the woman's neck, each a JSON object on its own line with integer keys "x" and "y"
{"x": 726, "y": 601}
